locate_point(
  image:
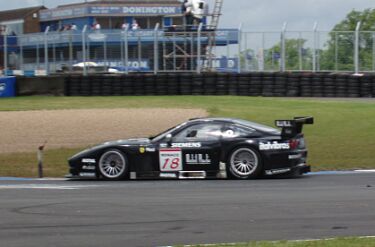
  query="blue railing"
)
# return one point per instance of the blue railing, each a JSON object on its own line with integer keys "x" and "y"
{"x": 223, "y": 37}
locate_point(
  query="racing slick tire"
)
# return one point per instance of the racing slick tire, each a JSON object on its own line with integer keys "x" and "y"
{"x": 244, "y": 163}
{"x": 113, "y": 165}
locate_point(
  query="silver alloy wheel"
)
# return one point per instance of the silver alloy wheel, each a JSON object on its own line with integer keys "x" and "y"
{"x": 112, "y": 165}
{"x": 244, "y": 162}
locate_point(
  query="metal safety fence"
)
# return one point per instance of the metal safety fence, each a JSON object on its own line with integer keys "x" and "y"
{"x": 226, "y": 50}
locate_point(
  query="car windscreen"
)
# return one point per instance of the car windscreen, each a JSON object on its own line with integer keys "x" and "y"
{"x": 160, "y": 136}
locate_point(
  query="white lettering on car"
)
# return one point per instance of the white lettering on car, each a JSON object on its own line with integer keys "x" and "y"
{"x": 89, "y": 167}
{"x": 168, "y": 175}
{"x": 91, "y": 161}
{"x": 274, "y": 146}
{"x": 197, "y": 159}
{"x": 187, "y": 145}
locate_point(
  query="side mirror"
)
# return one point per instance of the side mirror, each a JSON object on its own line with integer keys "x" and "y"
{"x": 168, "y": 138}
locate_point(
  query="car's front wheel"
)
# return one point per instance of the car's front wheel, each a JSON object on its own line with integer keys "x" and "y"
{"x": 113, "y": 165}
{"x": 244, "y": 163}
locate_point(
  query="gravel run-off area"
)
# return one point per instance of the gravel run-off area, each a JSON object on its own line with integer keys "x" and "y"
{"x": 24, "y": 131}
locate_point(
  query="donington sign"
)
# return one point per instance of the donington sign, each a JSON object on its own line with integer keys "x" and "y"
{"x": 54, "y": 14}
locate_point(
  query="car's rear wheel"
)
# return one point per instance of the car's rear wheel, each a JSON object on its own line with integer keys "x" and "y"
{"x": 244, "y": 163}
{"x": 113, "y": 165}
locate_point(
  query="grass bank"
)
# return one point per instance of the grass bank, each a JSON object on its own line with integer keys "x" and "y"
{"x": 342, "y": 138}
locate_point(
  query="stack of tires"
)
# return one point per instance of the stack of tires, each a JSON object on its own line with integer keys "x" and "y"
{"x": 73, "y": 86}
{"x": 209, "y": 84}
{"x": 244, "y": 84}
{"x": 161, "y": 83}
{"x": 106, "y": 86}
{"x": 173, "y": 84}
{"x": 353, "y": 88}
{"x": 127, "y": 85}
{"x": 197, "y": 85}
{"x": 137, "y": 83}
{"x": 328, "y": 87}
{"x": 116, "y": 86}
{"x": 222, "y": 84}
{"x": 185, "y": 84}
{"x": 366, "y": 86}
{"x": 256, "y": 84}
{"x": 149, "y": 84}
{"x": 293, "y": 85}
{"x": 317, "y": 85}
{"x": 96, "y": 85}
{"x": 280, "y": 87}
{"x": 232, "y": 84}
{"x": 341, "y": 87}
{"x": 268, "y": 85}
{"x": 307, "y": 85}
{"x": 251, "y": 84}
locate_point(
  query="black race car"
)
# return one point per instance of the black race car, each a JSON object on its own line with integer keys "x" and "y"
{"x": 201, "y": 148}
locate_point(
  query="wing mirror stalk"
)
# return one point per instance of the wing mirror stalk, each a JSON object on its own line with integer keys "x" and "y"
{"x": 168, "y": 139}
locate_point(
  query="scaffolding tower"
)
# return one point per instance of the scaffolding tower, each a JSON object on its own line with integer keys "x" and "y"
{"x": 182, "y": 50}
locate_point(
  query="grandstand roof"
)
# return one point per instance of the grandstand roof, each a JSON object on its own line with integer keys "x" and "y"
{"x": 125, "y": 2}
{"x": 16, "y": 14}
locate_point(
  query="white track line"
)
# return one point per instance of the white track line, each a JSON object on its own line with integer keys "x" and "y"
{"x": 292, "y": 241}
{"x": 44, "y": 187}
{"x": 365, "y": 171}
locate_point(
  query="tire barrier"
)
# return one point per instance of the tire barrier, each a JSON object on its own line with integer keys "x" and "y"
{"x": 249, "y": 84}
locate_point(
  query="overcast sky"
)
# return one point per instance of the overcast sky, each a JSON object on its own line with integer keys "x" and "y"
{"x": 267, "y": 15}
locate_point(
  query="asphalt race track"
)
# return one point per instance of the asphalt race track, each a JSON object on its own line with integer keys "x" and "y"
{"x": 160, "y": 213}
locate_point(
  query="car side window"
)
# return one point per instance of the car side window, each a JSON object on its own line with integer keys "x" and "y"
{"x": 200, "y": 132}
{"x": 234, "y": 131}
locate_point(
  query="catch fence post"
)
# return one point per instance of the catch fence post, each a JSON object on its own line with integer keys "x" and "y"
{"x": 283, "y": 48}
{"x": 315, "y": 30}
{"x": 126, "y": 50}
{"x": 356, "y": 48}
{"x": 84, "y": 50}
{"x": 239, "y": 48}
{"x": 199, "y": 48}
{"x": 156, "y": 49}
{"x": 5, "y": 48}
{"x": 46, "y": 62}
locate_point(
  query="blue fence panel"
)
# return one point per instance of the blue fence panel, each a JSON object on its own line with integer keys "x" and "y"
{"x": 7, "y": 87}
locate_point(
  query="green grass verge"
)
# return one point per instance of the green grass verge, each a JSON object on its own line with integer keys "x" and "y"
{"x": 339, "y": 242}
{"x": 342, "y": 138}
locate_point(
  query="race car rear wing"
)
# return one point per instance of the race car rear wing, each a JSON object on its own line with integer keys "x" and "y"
{"x": 291, "y": 128}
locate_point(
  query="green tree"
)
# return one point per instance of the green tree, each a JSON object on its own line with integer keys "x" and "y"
{"x": 297, "y": 57}
{"x": 338, "y": 53}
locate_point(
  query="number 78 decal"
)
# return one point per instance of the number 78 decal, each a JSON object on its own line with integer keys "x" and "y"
{"x": 170, "y": 160}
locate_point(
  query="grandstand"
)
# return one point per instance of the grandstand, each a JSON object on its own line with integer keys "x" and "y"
{"x": 127, "y": 34}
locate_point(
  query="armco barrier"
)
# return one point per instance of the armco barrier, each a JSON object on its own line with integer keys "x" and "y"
{"x": 249, "y": 84}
